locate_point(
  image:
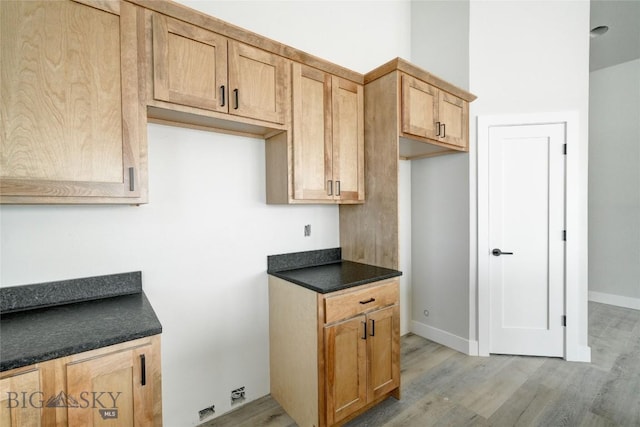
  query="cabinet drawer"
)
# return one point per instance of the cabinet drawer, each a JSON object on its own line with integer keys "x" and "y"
{"x": 352, "y": 303}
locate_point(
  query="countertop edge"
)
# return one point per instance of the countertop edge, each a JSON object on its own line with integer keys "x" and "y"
{"x": 93, "y": 342}
{"x": 70, "y": 351}
{"x": 341, "y": 287}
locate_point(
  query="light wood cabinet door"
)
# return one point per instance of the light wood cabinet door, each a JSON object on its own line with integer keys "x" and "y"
{"x": 346, "y": 364}
{"x": 257, "y": 83}
{"x": 328, "y": 137}
{"x": 348, "y": 139}
{"x": 453, "y": 115}
{"x": 419, "y": 108}
{"x": 384, "y": 351}
{"x": 198, "y": 68}
{"x": 189, "y": 65}
{"x": 312, "y": 138}
{"x": 114, "y": 389}
{"x": 72, "y": 125}
{"x": 20, "y": 399}
{"x": 429, "y": 112}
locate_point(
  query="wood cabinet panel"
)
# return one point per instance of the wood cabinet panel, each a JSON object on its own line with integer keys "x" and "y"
{"x": 312, "y": 141}
{"x": 71, "y": 123}
{"x": 384, "y": 351}
{"x": 120, "y": 381}
{"x": 326, "y": 145}
{"x": 348, "y": 139}
{"x": 433, "y": 114}
{"x": 453, "y": 113}
{"x": 13, "y": 389}
{"x": 189, "y": 64}
{"x": 203, "y": 70}
{"x": 323, "y": 373}
{"x": 257, "y": 81}
{"x": 102, "y": 387}
{"x": 419, "y": 107}
{"x": 354, "y": 302}
{"x": 346, "y": 364}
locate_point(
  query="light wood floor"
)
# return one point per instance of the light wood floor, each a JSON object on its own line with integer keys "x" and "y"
{"x": 441, "y": 387}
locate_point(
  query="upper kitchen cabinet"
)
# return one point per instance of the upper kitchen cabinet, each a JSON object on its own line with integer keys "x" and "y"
{"x": 434, "y": 114}
{"x": 323, "y": 160}
{"x": 409, "y": 114}
{"x": 189, "y": 65}
{"x": 199, "y": 73}
{"x": 429, "y": 112}
{"x": 73, "y": 126}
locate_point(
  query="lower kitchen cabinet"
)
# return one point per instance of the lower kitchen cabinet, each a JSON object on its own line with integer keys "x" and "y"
{"x": 17, "y": 411}
{"x": 115, "y": 385}
{"x": 334, "y": 355}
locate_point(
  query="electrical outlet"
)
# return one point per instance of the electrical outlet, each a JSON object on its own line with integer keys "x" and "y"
{"x": 237, "y": 395}
{"x": 307, "y": 230}
{"x": 207, "y": 412}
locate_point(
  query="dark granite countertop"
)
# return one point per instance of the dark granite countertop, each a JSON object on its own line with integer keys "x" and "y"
{"x": 323, "y": 271}
{"x": 33, "y": 335}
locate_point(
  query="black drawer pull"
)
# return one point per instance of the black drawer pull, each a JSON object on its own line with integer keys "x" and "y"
{"x": 368, "y": 301}
{"x": 143, "y": 371}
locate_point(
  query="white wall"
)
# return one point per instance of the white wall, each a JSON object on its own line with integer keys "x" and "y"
{"x": 356, "y": 34}
{"x": 440, "y": 188}
{"x": 614, "y": 184}
{"x": 202, "y": 240}
{"x": 440, "y": 38}
{"x": 529, "y": 57}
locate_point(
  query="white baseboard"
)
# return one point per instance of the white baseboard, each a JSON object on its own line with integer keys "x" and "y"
{"x": 616, "y": 300}
{"x": 445, "y": 338}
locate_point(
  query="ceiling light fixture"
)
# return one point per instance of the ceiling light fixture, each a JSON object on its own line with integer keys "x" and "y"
{"x": 598, "y": 31}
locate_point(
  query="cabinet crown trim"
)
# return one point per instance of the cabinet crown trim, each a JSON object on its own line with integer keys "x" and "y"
{"x": 216, "y": 25}
{"x": 399, "y": 64}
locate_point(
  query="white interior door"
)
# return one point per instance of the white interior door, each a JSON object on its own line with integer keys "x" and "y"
{"x": 526, "y": 248}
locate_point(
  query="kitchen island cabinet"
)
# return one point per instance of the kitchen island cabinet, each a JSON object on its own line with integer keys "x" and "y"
{"x": 334, "y": 332}
{"x": 326, "y": 371}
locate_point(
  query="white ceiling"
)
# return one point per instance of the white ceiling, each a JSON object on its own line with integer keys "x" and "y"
{"x": 622, "y": 42}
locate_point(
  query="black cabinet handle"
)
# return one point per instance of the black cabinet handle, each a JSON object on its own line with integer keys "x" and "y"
{"x": 444, "y": 130}
{"x": 143, "y": 370}
{"x": 330, "y": 188}
{"x": 237, "y": 97}
{"x": 364, "y": 333}
{"x": 337, "y": 188}
{"x": 437, "y": 128}
{"x": 367, "y": 301}
{"x": 373, "y": 328}
{"x": 222, "y": 96}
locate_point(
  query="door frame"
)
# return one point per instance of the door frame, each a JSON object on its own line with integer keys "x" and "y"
{"x": 573, "y": 303}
